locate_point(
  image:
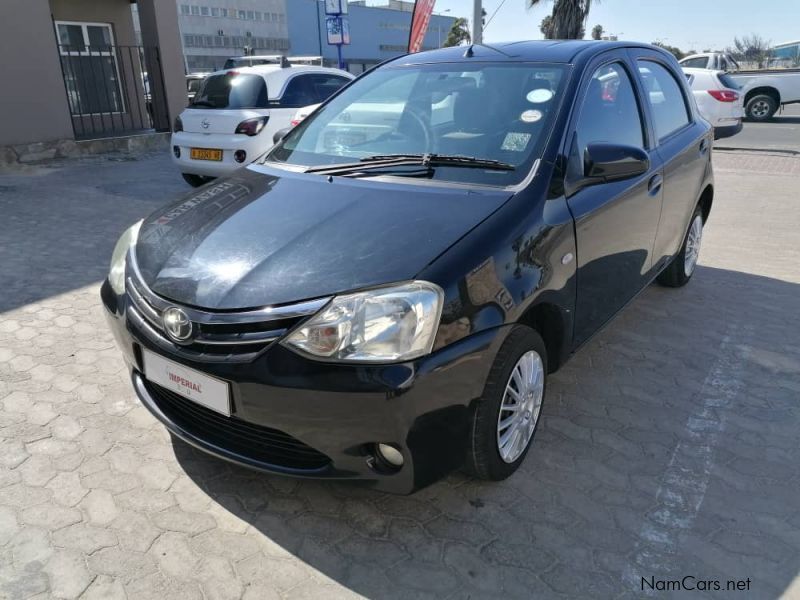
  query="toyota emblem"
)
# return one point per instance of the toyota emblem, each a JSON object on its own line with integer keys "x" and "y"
{"x": 177, "y": 325}
{"x": 205, "y": 124}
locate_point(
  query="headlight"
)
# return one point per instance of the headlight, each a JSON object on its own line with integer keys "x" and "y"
{"x": 381, "y": 325}
{"x": 116, "y": 274}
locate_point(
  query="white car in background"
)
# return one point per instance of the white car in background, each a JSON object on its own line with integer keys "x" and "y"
{"x": 235, "y": 113}
{"x": 718, "y": 98}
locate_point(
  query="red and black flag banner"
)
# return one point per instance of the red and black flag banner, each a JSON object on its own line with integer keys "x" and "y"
{"x": 419, "y": 24}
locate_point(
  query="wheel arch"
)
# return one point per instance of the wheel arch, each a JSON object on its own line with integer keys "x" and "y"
{"x": 548, "y": 321}
{"x": 705, "y": 201}
{"x": 767, "y": 90}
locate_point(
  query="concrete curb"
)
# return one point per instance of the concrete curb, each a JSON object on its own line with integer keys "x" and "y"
{"x": 20, "y": 155}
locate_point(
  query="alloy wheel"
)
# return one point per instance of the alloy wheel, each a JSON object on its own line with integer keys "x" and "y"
{"x": 693, "y": 240}
{"x": 521, "y": 405}
{"x": 760, "y": 109}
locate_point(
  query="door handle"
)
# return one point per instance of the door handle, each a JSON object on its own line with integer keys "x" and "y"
{"x": 654, "y": 185}
{"x": 704, "y": 146}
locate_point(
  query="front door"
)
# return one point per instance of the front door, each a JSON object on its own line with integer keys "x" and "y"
{"x": 615, "y": 222}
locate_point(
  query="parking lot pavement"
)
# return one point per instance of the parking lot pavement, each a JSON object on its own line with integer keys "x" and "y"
{"x": 668, "y": 447}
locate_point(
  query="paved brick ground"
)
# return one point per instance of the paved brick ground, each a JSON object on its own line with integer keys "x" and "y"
{"x": 669, "y": 446}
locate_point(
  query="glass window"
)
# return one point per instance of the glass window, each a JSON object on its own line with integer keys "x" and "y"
{"x": 214, "y": 11}
{"x": 223, "y": 12}
{"x": 251, "y": 15}
{"x": 242, "y": 14}
{"x": 665, "y": 97}
{"x": 258, "y": 15}
{"x": 500, "y": 111}
{"x": 303, "y": 90}
{"x": 185, "y": 10}
{"x": 697, "y": 63}
{"x": 204, "y": 11}
{"x": 609, "y": 112}
{"x": 232, "y": 91}
{"x": 90, "y": 71}
{"x": 195, "y": 10}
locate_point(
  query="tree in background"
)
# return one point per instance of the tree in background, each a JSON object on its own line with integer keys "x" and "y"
{"x": 751, "y": 48}
{"x": 567, "y": 20}
{"x": 458, "y": 34}
{"x": 597, "y": 32}
{"x": 674, "y": 50}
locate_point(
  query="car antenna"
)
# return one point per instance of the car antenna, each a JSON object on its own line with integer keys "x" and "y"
{"x": 468, "y": 53}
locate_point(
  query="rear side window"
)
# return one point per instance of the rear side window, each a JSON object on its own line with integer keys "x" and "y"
{"x": 727, "y": 81}
{"x": 232, "y": 91}
{"x": 699, "y": 62}
{"x": 665, "y": 97}
{"x": 306, "y": 89}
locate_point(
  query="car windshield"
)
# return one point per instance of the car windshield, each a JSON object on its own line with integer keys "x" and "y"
{"x": 231, "y": 90}
{"x": 496, "y": 111}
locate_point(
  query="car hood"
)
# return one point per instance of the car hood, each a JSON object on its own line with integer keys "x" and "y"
{"x": 267, "y": 236}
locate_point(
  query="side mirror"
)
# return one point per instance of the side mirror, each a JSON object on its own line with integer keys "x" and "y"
{"x": 280, "y": 134}
{"x": 613, "y": 162}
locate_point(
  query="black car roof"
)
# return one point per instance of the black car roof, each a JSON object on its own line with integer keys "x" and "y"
{"x": 552, "y": 51}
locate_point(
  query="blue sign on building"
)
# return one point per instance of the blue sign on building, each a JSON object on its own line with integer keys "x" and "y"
{"x": 376, "y": 33}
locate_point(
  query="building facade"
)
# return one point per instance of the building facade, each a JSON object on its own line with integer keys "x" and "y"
{"x": 377, "y": 33}
{"x": 84, "y": 76}
{"x": 786, "y": 55}
{"x": 213, "y": 30}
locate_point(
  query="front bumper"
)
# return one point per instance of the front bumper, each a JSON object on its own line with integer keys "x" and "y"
{"x": 423, "y": 407}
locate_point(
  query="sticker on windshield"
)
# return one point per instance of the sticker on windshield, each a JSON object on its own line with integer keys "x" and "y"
{"x": 530, "y": 116}
{"x": 539, "y": 96}
{"x": 516, "y": 142}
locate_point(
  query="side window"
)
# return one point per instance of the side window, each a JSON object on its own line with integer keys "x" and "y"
{"x": 665, "y": 98}
{"x": 299, "y": 92}
{"x": 699, "y": 62}
{"x": 323, "y": 86}
{"x": 610, "y": 112}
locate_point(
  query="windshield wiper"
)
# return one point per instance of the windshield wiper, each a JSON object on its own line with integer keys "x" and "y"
{"x": 203, "y": 103}
{"x": 427, "y": 161}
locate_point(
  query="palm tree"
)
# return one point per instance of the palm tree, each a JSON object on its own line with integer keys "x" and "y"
{"x": 568, "y": 18}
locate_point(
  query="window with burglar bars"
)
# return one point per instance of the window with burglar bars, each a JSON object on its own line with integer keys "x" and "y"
{"x": 110, "y": 89}
{"x": 93, "y": 83}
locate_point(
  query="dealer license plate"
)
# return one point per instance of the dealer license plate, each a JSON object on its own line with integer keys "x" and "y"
{"x": 208, "y": 391}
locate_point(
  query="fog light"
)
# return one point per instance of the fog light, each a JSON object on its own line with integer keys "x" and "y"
{"x": 390, "y": 454}
{"x": 176, "y": 150}
{"x": 239, "y": 156}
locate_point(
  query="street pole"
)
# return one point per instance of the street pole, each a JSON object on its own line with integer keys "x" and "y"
{"x": 477, "y": 25}
{"x": 339, "y": 53}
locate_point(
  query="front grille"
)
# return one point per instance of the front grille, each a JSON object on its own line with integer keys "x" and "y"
{"x": 259, "y": 443}
{"x": 218, "y": 336}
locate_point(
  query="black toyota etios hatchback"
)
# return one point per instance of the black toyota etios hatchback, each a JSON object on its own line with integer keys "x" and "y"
{"x": 382, "y": 295}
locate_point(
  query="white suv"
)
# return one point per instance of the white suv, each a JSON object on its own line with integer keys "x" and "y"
{"x": 718, "y": 100}
{"x": 234, "y": 114}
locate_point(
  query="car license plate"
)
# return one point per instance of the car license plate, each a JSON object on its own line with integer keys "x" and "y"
{"x": 206, "y": 154}
{"x": 208, "y": 391}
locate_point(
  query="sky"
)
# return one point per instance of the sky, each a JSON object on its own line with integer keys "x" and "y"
{"x": 687, "y": 24}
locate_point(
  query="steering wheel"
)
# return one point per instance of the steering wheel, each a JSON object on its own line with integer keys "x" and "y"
{"x": 423, "y": 130}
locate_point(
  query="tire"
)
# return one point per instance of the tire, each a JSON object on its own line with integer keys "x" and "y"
{"x": 761, "y": 107}
{"x": 485, "y": 457}
{"x": 195, "y": 180}
{"x": 680, "y": 270}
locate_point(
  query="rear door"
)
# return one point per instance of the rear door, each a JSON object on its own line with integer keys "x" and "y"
{"x": 615, "y": 222}
{"x": 683, "y": 143}
{"x": 225, "y": 100}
